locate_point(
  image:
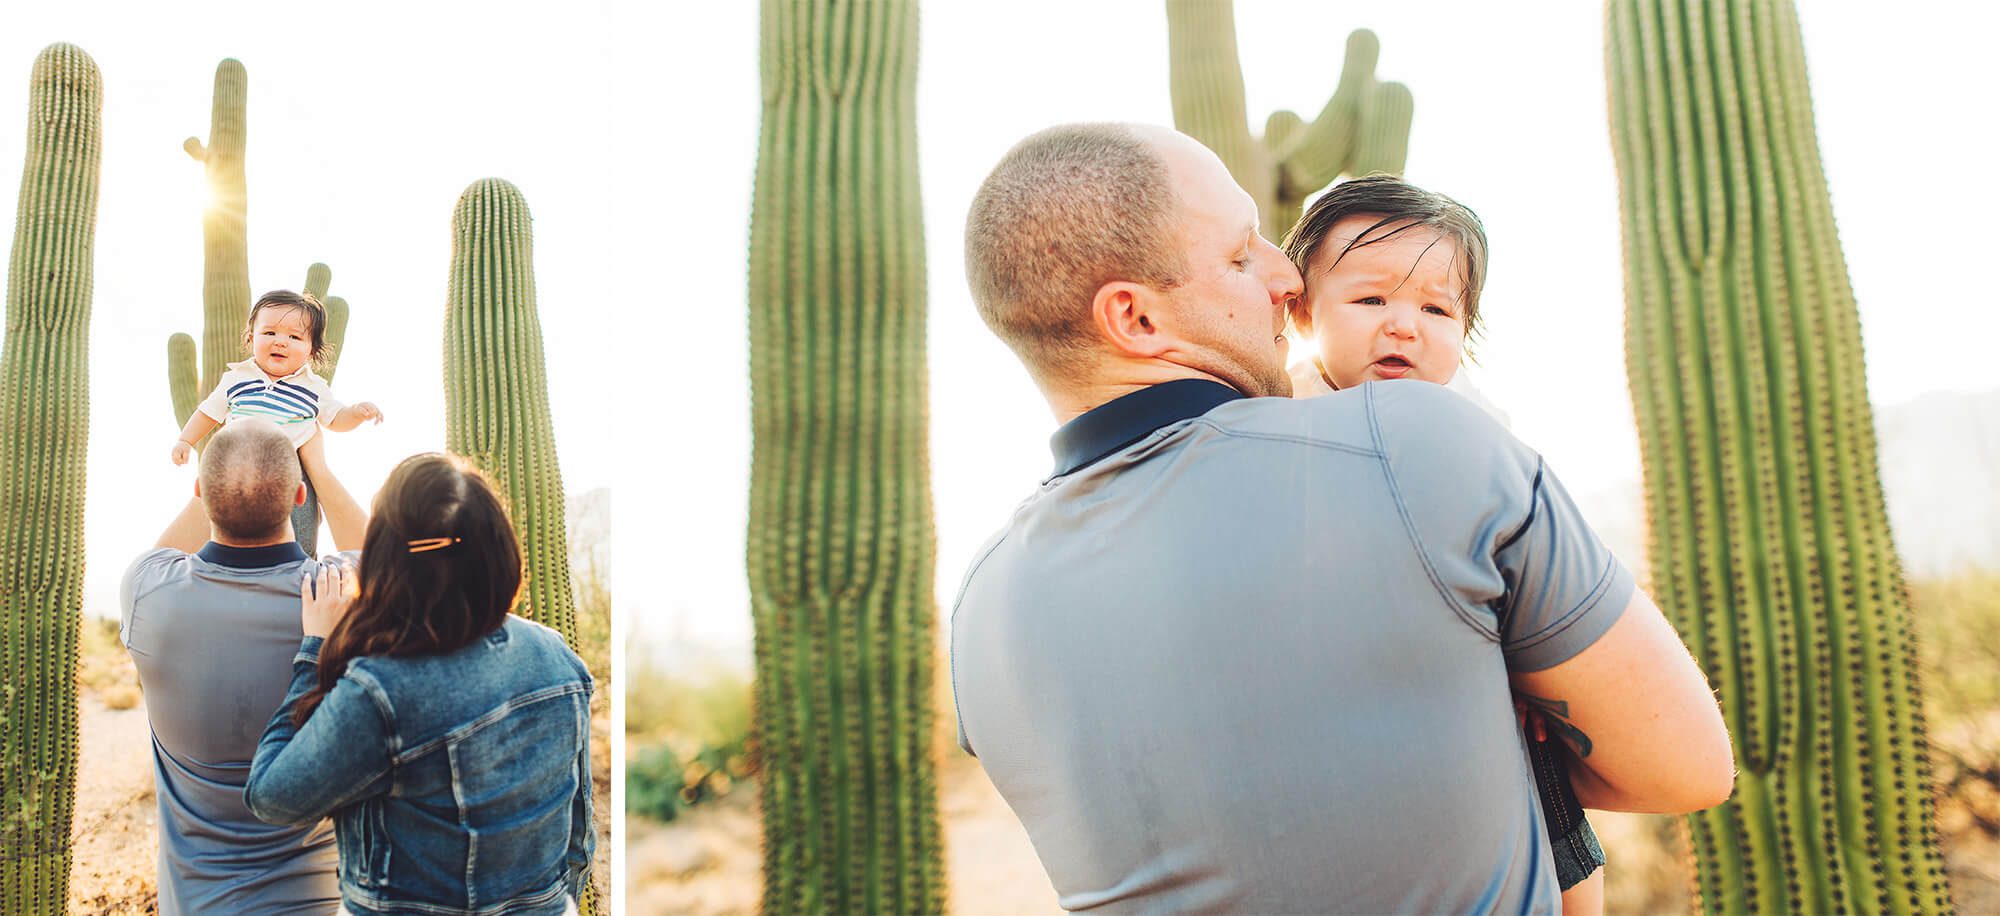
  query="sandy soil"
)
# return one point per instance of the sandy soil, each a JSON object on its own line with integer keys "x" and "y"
{"x": 708, "y": 861}
{"x": 115, "y": 828}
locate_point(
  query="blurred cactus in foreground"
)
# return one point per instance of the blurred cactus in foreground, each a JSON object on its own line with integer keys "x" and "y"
{"x": 1770, "y": 547}
{"x": 840, "y": 550}
{"x": 44, "y": 427}
{"x": 1365, "y": 126}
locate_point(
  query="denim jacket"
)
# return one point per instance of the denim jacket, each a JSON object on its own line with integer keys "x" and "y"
{"x": 459, "y": 784}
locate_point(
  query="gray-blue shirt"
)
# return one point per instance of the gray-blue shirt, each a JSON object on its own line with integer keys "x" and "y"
{"x": 213, "y": 634}
{"x": 1251, "y": 655}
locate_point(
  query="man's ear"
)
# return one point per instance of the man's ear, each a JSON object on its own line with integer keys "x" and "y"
{"x": 299, "y": 495}
{"x": 1127, "y": 315}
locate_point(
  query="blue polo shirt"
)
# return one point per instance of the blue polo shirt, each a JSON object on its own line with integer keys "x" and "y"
{"x": 1251, "y": 655}
{"x": 213, "y": 634}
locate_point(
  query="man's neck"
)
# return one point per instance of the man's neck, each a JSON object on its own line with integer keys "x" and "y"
{"x": 282, "y": 536}
{"x": 1075, "y": 402}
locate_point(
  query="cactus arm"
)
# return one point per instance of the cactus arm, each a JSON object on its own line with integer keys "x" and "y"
{"x": 181, "y": 379}
{"x": 44, "y": 430}
{"x": 1384, "y": 141}
{"x": 336, "y": 334}
{"x": 194, "y": 149}
{"x": 1319, "y": 153}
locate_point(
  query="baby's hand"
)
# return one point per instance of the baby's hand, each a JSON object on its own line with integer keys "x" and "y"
{"x": 181, "y": 451}
{"x": 366, "y": 410}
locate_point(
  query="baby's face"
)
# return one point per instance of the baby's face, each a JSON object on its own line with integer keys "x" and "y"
{"x": 280, "y": 340}
{"x": 1389, "y": 309}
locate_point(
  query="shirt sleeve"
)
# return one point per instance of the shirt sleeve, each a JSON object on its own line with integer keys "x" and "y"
{"x": 147, "y": 573}
{"x": 328, "y": 404}
{"x": 1506, "y": 546}
{"x": 216, "y": 405}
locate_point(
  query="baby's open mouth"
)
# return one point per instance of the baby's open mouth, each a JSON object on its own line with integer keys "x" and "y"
{"x": 1393, "y": 362}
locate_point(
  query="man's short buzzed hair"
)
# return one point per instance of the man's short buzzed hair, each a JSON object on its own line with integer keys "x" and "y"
{"x": 249, "y": 476}
{"x": 1066, "y": 211}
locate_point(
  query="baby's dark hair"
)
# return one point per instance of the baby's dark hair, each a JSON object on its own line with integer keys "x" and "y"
{"x": 306, "y": 303}
{"x": 1397, "y": 206}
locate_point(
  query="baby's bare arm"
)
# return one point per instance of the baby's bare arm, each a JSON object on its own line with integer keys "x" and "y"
{"x": 198, "y": 426}
{"x": 354, "y": 415}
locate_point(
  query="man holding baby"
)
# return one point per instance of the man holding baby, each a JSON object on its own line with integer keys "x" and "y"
{"x": 1251, "y": 654}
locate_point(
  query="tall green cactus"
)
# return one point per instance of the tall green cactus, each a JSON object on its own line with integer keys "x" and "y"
{"x": 1769, "y": 544}
{"x": 44, "y": 427}
{"x": 1365, "y": 126}
{"x": 225, "y": 281}
{"x": 496, "y": 393}
{"x": 840, "y": 549}
{"x": 496, "y": 407}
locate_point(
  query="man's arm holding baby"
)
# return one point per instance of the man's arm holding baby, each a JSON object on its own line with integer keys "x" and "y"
{"x": 1636, "y": 713}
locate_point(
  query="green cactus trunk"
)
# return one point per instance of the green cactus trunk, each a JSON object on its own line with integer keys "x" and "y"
{"x": 1770, "y": 547}
{"x": 496, "y": 394}
{"x": 44, "y": 427}
{"x": 1365, "y": 126}
{"x": 496, "y": 407}
{"x": 225, "y": 280}
{"x": 840, "y": 549}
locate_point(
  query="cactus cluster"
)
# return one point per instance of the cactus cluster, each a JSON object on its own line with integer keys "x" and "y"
{"x": 1364, "y": 128}
{"x": 44, "y": 426}
{"x": 840, "y": 547}
{"x": 1769, "y": 543}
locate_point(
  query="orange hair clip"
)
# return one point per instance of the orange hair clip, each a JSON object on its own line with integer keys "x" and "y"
{"x": 421, "y": 545}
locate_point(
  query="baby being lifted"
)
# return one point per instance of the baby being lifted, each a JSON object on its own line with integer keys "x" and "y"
{"x": 286, "y": 338}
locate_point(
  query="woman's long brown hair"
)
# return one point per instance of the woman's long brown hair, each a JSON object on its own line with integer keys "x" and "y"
{"x": 427, "y": 601}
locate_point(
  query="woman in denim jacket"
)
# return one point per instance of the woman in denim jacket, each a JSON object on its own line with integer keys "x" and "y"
{"x": 449, "y": 740}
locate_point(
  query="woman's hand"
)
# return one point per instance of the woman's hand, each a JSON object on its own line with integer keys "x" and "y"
{"x": 324, "y": 597}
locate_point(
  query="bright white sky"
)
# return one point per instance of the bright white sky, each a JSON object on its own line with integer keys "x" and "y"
{"x": 366, "y": 121}
{"x": 631, "y": 128}
{"x": 1510, "y": 119}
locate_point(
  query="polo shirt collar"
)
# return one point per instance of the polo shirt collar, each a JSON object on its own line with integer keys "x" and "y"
{"x": 1109, "y": 427}
{"x": 252, "y": 557}
{"x": 251, "y": 365}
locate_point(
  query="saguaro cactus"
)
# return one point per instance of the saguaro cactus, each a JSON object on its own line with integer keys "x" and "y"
{"x": 44, "y": 426}
{"x": 496, "y": 393}
{"x": 1365, "y": 126}
{"x": 225, "y": 282}
{"x": 1770, "y": 547}
{"x": 496, "y": 407}
{"x": 840, "y": 548}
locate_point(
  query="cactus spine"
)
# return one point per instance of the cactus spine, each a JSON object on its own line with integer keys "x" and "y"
{"x": 44, "y": 426}
{"x": 840, "y": 538}
{"x": 1365, "y": 126}
{"x": 496, "y": 394}
{"x": 1769, "y": 543}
